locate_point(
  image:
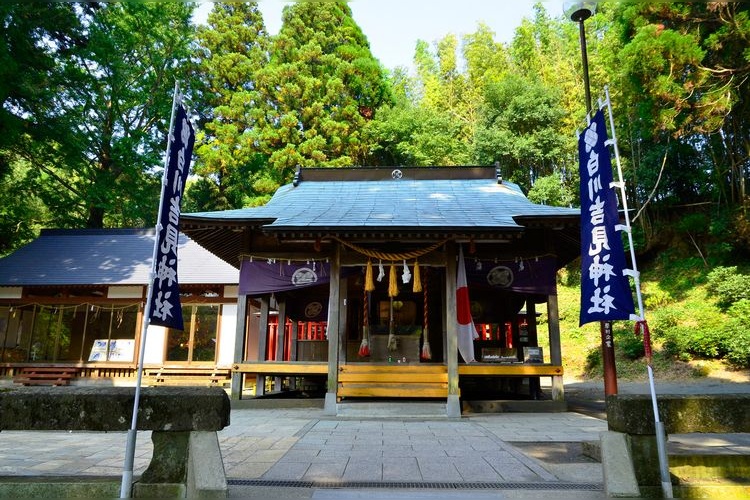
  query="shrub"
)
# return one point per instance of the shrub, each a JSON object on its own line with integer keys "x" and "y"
{"x": 629, "y": 345}
{"x": 738, "y": 334}
{"x": 705, "y": 342}
{"x": 594, "y": 360}
{"x": 728, "y": 286}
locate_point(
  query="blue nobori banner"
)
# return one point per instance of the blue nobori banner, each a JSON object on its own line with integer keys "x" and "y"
{"x": 165, "y": 307}
{"x": 605, "y": 290}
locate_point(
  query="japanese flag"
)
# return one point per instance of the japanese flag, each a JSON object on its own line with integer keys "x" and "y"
{"x": 466, "y": 330}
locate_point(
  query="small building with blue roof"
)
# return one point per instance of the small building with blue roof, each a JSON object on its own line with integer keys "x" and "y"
{"x": 73, "y": 300}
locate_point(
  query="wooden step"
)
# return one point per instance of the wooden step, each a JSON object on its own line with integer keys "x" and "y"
{"x": 359, "y": 380}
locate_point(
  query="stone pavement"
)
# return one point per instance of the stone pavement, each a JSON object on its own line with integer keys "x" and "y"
{"x": 298, "y": 453}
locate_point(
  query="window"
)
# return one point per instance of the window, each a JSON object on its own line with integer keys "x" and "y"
{"x": 199, "y": 339}
{"x": 68, "y": 332}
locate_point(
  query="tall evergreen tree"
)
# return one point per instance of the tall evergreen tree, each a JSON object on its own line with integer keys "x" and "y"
{"x": 233, "y": 47}
{"x": 320, "y": 88}
{"x": 117, "y": 105}
{"x": 35, "y": 37}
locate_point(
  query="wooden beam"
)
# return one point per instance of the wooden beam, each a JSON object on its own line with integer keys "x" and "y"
{"x": 280, "y": 340}
{"x": 260, "y": 380}
{"x": 334, "y": 301}
{"x": 283, "y": 368}
{"x": 239, "y": 344}
{"x": 451, "y": 313}
{"x": 515, "y": 370}
{"x": 435, "y": 258}
{"x": 555, "y": 347}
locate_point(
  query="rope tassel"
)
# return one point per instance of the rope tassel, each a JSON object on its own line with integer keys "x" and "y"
{"x": 393, "y": 282}
{"x": 417, "y": 285}
{"x": 369, "y": 282}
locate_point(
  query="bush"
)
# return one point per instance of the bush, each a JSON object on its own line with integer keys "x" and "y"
{"x": 738, "y": 330}
{"x": 629, "y": 345}
{"x": 728, "y": 286}
{"x": 594, "y": 361}
{"x": 684, "y": 342}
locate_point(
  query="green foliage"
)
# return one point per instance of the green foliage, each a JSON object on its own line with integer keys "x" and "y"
{"x": 232, "y": 49}
{"x": 627, "y": 343}
{"x": 410, "y": 135}
{"x": 684, "y": 72}
{"x": 20, "y": 209}
{"x": 684, "y": 342}
{"x": 521, "y": 129}
{"x": 94, "y": 91}
{"x": 593, "y": 365}
{"x": 728, "y": 286}
{"x": 550, "y": 190}
{"x": 738, "y": 333}
{"x": 319, "y": 89}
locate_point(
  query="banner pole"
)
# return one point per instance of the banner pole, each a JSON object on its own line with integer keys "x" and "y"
{"x": 126, "y": 485}
{"x": 666, "y": 482}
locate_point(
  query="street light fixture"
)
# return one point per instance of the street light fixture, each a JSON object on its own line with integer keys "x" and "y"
{"x": 578, "y": 12}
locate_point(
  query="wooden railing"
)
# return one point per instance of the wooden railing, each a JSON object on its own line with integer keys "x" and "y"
{"x": 186, "y": 376}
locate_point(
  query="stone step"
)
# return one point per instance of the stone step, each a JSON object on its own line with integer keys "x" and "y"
{"x": 389, "y": 409}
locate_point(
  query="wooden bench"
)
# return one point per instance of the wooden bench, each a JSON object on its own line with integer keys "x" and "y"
{"x": 45, "y": 375}
{"x": 185, "y": 377}
{"x": 393, "y": 380}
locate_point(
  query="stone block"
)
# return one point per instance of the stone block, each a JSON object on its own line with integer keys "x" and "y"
{"x": 205, "y": 470}
{"x": 111, "y": 408}
{"x": 681, "y": 414}
{"x": 617, "y": 466}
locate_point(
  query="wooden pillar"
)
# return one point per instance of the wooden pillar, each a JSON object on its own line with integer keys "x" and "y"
{"x": 453, "y": 406}
{"x": 293, "y": 352}
{"x": 280, "y": 340}
{"x": 343, "y": 315}
{"x": 334, "y": 313}
{"x": 295, "y": 339}
{"x": 238, "y": 378}
{"x": 532, "y": 340}
{"x": 444, "y": 308}
{"x": 558, "y": 391}
{"x": 260, "y": 380}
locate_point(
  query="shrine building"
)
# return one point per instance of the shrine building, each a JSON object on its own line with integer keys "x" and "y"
{"x": 348, "y": 283}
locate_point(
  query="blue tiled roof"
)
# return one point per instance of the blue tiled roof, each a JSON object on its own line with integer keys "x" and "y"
{"x": 393, "y": 203}
{"x": 106, "y": 257}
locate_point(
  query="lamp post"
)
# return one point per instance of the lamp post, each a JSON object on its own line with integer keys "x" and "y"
{"x": 578, "y": 12}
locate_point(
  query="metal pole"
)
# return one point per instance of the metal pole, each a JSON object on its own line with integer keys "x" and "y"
{"x": 605, "y": 327}
{"x": 661, "y": 446}
{"x": 585, "y": 59}
{"x": 127, "y": 471}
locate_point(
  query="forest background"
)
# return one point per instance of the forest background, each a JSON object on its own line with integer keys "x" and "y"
{"x": 86, "y": 91}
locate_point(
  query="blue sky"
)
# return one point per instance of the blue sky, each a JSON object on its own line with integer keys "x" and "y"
{"x": 394, "y": 26}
